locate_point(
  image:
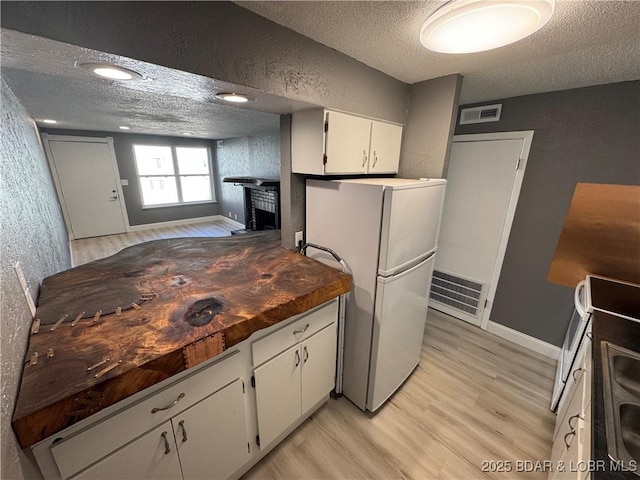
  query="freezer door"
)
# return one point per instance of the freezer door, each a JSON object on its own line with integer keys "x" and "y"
{"x": 410, "y": 226}
{"x": 398, "y": 330}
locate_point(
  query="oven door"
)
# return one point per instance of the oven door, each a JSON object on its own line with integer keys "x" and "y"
{"x": 572, "y": 339}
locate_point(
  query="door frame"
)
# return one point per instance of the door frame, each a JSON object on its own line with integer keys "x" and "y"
{"x": 527, "y": 137}
{"x": 46, "y": 138}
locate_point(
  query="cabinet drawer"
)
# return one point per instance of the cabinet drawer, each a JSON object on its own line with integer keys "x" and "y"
{"x": 284, "y": 338}
{"x": 76, "y": 452}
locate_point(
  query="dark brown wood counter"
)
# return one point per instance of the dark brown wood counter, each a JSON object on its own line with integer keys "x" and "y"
{"x": 154, "y": 310}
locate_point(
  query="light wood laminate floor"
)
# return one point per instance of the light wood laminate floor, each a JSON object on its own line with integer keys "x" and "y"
{"x": 86, "y": 250}
{"x": 473, "y": 398}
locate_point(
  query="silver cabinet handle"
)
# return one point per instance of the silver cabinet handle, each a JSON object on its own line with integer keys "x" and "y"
{"x": 167, "y": 449}
{"x": 575, "y": 379}
{"x": 296, "y": 332}
{"x": 589, "y": 335}
{"x": 157, "y": 409}
{"x": 576, "y": 416}
{"x": 375, "y": 158}
{"x": 184, "y": 431}
{"x": 571, "y": 434}
{"x": 305, "y": 355}
{"x": 364, "y": 158}
{"x": 297, "y": 358}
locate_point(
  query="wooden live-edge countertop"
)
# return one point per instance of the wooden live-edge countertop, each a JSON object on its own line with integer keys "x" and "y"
{"x": 194, "y": 298}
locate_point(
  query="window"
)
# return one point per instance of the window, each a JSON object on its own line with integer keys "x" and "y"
{"x": 172, "y": 175}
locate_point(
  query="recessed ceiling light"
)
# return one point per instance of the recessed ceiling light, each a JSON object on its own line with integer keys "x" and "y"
{"x": 48, "y": 120}
{"x": 468, "y": 26}
{"x": 112, "y": 72}
{"x": 233, "y": 97}
{"x": 124, "y": 127}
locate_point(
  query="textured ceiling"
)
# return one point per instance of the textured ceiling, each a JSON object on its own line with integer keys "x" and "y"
{"x": 587, "y": 42}
{"x": 43, "y": 75}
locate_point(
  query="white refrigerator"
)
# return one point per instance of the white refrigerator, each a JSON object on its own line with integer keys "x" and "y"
{"x": 386, "y": 230}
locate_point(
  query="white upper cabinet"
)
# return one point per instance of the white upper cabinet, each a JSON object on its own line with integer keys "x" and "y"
{"x": 325, "y": 142}
{"x": 385, "y": 147}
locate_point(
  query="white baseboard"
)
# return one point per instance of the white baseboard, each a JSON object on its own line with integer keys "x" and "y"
{"x": 184, "y": 221}
{"x": 524, "y": 340}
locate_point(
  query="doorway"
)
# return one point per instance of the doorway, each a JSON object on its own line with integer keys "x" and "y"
{"x": 87, "y": 181}
{"x": 484, "y": 179}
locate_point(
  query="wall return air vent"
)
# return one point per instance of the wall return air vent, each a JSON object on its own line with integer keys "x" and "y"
{"x": 486, "y": 113}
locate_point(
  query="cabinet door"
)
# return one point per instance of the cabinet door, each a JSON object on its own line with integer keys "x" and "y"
{"x": 152, "y": 456}
{"x": 318, "y": 366}
{"x": 278, "y": 394}
{"x": 384, "y": 156}
{"x": 212, "y": 435}
{"x": 347, "y": 143}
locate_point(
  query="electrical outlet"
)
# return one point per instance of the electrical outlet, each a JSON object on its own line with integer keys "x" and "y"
{"x": 299, "y": 239}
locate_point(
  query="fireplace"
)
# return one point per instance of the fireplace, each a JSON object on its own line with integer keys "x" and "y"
{"x": 261, "y": 203}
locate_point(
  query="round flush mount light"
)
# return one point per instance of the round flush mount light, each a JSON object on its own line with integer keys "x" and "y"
{"x": 233, "y": 97}
{"x": 112, "y": 72}
{"x": 468, "y": 26}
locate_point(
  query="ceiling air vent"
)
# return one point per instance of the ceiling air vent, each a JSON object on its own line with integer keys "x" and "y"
{"x": 487, "y": 113}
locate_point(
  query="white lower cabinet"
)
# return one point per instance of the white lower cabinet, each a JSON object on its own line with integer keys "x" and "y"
{"x": 154, "y": 455}
{"x": 208, "y": 440}
{"x": 571, "y": 450}
{"x": 202, "y": 423}
{"x": 212, "y": 435}
{"x": 293, "y": 381}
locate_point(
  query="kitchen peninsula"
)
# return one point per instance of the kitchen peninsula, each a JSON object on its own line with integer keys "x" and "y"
{"x": 110, "y": 334}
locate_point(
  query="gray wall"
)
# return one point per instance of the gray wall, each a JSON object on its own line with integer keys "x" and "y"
{"x": 257, "y": 156}
{"x": 582, "y": 135}
{"x": 219, "y": 40}
{"x": 431, "y": 117}
{"x": 33, "y": 233}
{"x": 123, "y": 146}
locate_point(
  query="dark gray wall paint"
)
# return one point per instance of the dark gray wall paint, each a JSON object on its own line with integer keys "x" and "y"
{"x": 257, "y": 156}
{"x": 431, "y": 117}
{"x": 34, "y": 234}
{"x": 219, "y": 40}
{"x": 292, "y": 188}
{"x": 581, "y": 135}
{"x": 123, "y": 145}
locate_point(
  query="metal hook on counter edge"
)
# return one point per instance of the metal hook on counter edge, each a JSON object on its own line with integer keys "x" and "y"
{"x": 303, "y": 250}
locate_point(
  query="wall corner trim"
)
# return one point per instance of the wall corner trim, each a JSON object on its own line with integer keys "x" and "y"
{"x": 524, "y": 340}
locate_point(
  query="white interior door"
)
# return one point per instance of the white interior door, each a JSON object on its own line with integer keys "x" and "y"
{"x": 484, "y": 178}
{"x": 88, "y": 186}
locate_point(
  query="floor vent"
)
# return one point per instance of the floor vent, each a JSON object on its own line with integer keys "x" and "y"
{"x": 456, "y": 292}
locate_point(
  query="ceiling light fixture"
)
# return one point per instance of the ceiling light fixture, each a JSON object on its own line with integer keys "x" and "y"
{"x": 112, "y": 72}
{"x": 188, "y": 134}
{"x": 48, "y": 120}
{"x": 468, "y": 26}
{"x": 233, "y": 97}
{"x": 124, "y": 127}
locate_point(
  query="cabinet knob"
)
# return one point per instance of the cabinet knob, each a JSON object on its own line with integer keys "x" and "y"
{"x": 184, "y": 431}
{"x": 175, "y": 402}
{"x": 167, "y": 449}
{"x": 577, "y": 417}
{"x": 297, "y": 358}
{"x": 569, "y": 435}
